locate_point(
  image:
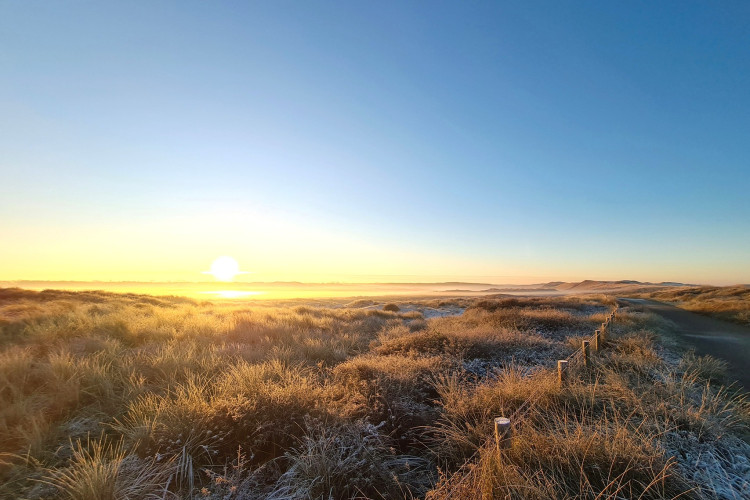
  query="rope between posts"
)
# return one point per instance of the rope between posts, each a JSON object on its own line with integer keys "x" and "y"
{"x": 515, "y": 417}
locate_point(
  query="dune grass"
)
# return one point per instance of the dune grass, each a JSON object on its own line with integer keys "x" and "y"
{"x": 127, "y": 396}
{"x": 727, "y": 303}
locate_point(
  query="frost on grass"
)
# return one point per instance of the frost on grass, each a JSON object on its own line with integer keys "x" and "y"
{"x": 719, "y": 467}
{"x": 328, "y": 399}
{"x": 349, "y": 461}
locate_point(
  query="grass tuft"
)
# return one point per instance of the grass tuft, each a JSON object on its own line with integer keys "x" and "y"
{"x": 102, "y": 470}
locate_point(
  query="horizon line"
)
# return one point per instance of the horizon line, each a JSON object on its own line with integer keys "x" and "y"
{"x": 297, "y": 282}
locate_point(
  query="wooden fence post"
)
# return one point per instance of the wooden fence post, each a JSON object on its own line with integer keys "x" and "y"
{"x": 502, "y": 433}
{"x": 586, "y": 359}
{"x": 562, "y": 372}
{"x": 597, "y": 341}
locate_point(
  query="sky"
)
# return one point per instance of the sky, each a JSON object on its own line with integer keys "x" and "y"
{"x": 504, "y": 142}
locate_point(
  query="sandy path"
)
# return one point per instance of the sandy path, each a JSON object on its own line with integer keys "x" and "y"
{"x": 721, "y": 339}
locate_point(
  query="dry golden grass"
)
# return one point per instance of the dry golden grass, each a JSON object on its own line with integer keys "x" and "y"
{"x": 127, "y": 396}
{"x": 728, "y": 303}
{"x": 600, "y": 436}
{"x": 100, "y": 470}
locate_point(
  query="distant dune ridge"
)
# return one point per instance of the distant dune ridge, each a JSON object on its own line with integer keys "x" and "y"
{"x": 459, "y": 285}
{"x": 237, "y": 290}
{"x": 630, "y": 286}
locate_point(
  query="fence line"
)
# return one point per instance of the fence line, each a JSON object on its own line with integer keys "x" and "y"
{"x": 466, "y": 469}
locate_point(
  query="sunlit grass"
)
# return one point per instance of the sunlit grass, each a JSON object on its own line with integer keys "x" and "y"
{"x": 105, "y": 395}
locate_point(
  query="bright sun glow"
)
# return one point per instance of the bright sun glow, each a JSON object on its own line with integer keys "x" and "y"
{"x": 225, "y": 268}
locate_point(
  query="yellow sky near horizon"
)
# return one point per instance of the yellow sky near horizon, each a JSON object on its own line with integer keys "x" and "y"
{"x": 100, "y": 260}
{"x": 180, "y": 244}
{"x": 344, "y": 142}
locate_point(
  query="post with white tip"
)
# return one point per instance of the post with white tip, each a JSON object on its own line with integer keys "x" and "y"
{"x": 502, "y": 433}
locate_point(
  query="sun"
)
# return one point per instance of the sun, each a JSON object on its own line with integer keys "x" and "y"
{"x": 225, "y": 268}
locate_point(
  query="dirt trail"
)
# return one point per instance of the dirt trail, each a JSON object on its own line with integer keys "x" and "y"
{"x": 721, "y": 339}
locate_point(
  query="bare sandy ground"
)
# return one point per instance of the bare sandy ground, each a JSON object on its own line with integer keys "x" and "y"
{"x": 721, "y": 339}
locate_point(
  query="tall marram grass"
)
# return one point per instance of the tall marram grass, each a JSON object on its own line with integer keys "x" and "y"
{"x": 103, "y": 470}
{"x": 340, "y": 399}
{"x": 609, "y": 433}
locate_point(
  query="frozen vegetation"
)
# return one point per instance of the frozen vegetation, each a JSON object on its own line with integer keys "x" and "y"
{"x": 112, "y": 396}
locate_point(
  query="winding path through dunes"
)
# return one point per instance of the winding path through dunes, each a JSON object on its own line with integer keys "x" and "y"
{"x": 721, "y": 339}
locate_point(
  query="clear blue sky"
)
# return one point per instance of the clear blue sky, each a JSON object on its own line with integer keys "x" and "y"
{"x": 356, "y": 140}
